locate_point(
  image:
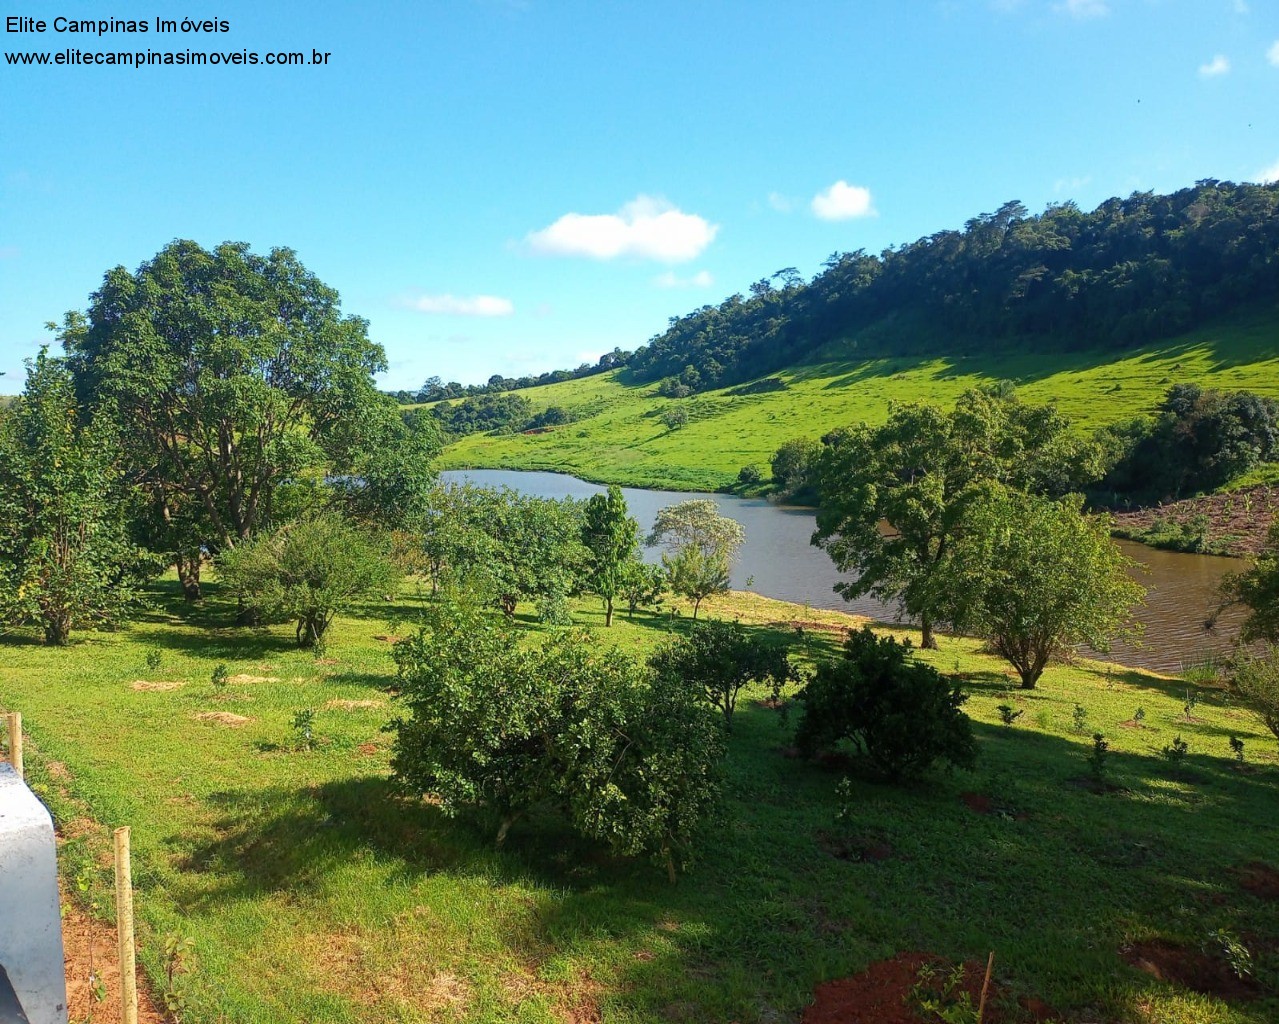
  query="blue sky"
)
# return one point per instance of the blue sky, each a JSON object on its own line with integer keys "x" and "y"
{"x": 511, "y": 186}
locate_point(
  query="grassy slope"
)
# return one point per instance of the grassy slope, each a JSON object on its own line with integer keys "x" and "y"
{"x": 620, "y": 439}
{"x": 315, "y": 895}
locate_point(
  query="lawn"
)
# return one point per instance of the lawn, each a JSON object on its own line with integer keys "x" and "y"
{"x": 619, "y": 438}
{"x": 313, "y": 893}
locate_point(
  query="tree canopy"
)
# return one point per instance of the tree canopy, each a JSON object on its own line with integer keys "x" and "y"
{"x": 918, "y": 472}
{"x": 236, "y": 374}
{"x": 700, "y": 546}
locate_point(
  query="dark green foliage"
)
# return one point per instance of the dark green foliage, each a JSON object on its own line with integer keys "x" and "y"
{"x": 641, "y": 586}
{"x": 229, "y": 376}
{"x": 901, "y": 715}
{"x": 718, "y": 658}
{"x": 497, "y": 728}
{"x": 1097, "y": 759}
{"x": 673, "y": 417}
{"x": 1007, "y": 714}
{"x": 66, "y": 560}
{"x": 792, "y": 465}
{"x": 1256, "y": 680}
{"x": 921, "y": 472}
{"x": 1036, "y": 577}
{"x": 1176, "y": 751}
{"x": 1257, "y": 589}
{"x": 749, "y": 475}
{"x": 1199, "y": 440}
{"x": 1131, "y": 270}
{"x": 483, "y": 412}
{"x": 611, "y": 538}
{"x": 555, "y": 416}
{"x": 307, "y": 571}
{"x": 512, "y": 546}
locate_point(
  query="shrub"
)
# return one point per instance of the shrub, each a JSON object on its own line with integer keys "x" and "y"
{"x": 749, "y": 475}
{"x": 307, "y": 571}
{"x": 718, "y": 658}
{"x": 496, "y": 729}
{"x": 901, "y": 715}
{"x": 1256, "y": 680}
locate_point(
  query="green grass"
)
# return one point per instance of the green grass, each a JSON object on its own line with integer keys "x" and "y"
{"x": 620, "y": 439}
{"x": 315, "y": 894}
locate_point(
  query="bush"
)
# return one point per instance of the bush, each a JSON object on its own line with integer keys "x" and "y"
{"x": 750, "y": 475}
{"x": 1256, "y": 680}
{"x": 901, "y": 715}
{"x": 496, "y": 729}
{"x": 307, "y": 571}
{"x": 717, "y": 658}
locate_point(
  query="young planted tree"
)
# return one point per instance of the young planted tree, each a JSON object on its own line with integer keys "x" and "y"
{"x": 66, "y": 561}
{"x": 700, "y": 546}
{"x": 719, "y": 658}
{"x": 497, "y": 729}
{"x": 1256, "y": 679}
{"x": 918, "y": 473}
{"x": 641, "y": 586}
{"x": 611, "y": 537}
{"x": 1036, "y": 577}
{"x": 307, "y": 571}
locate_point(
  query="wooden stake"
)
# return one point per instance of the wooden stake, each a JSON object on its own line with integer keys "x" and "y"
{"x": 990, "y": 966}
{"x": 15, "y": 741}
{"x": 124, "y": 928}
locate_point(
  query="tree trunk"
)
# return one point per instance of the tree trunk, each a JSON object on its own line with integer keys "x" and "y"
{"x": 696, "y": 605}
{"x": 928, "y": 642}
{"x": 608, "y": 611}
{"x": 188, "y": 566}
{"x": 246, "y": 616}
{"x": 57, "y": 628}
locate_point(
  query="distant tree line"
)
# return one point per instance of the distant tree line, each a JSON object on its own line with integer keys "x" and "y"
{"x": 436, "y": 390}
{"x": 1130, "y": 271}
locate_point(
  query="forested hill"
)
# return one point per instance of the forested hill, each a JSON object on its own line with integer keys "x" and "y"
{"x": 1133, "y": 270}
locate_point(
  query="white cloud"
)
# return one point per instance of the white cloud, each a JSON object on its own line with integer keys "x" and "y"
{"x": 1219, "y": 65}
{"x": 843, "y": 201}
{"x": 1071, "y": 184}
{"x": 702, "y": 279}
{"x": 1269, "y": 174}
{"x": 1084, "y": 8}
{"x": 1272, "y": 54}
{"x": 645, "y": 228}
{"x": 781, "y": 203}
{"x": 462, "y": 305}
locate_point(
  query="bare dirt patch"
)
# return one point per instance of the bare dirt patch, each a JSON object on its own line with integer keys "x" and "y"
{"x": 810, "y": 626}
{"x": 223, "y": 718}
{"x": 90, "y": 953}
{"x": 242, "y": 677}
{"x": 156, "y": 686}
{"x": 388, "y": 638}
{"x": 1189, "y": 968}
{"x": 353, "y": 705}
{"x": 1242, "y": 516}
{"x": 367, "y": 749}
{"x": 881, "y": 994}
{"x": 860, "y": 849}
{"x": 1260, "y": 879}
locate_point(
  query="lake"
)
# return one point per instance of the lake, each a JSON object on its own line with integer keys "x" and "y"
{"x": 778, "y": 561}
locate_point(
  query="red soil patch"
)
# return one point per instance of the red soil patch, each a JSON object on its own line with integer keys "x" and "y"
{"x": 978, "y": 802}
{"x": 1190, "y": 968}
{"x": 1134, "y": 724}
{"x": 89, "y": 949}
{"x": 367, "y": 749}
{"x": 772, "y": 703}
{"x": 1244, "y": 514}
{"x": 881, "y": 994}
{"x": 1260, "y": 880}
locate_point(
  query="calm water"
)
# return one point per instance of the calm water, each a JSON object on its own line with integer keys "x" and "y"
{"x": 1181, "y": 594}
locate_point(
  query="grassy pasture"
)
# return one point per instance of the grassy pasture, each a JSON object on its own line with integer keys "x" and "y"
{"x": 619, "y": 437}
{"x": 314, "y": 894}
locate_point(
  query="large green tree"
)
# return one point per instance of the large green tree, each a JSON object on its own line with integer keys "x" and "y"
{"x": 611, "y": 537}
{"x": 1036, "y": 577}
{"x": 916, "y": 475}
{"x": 233, "y": 374}
{"x": 700, "y": 546}
{"x": 66, "y": 560}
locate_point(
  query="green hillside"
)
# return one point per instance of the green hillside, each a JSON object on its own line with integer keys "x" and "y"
{"x": 618, "y": 436}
